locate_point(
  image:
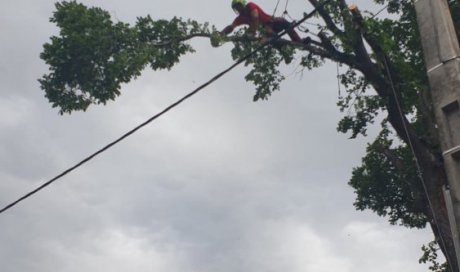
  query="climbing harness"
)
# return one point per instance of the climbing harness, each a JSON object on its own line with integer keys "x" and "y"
{"x": 285, "y": 14}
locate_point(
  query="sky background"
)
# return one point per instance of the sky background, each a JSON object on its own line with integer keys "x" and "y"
{"x": 218, "y": 184}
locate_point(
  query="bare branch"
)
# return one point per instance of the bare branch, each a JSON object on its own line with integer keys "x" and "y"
{"x": 390, "y": 155}
{"x": 182, "y": 39}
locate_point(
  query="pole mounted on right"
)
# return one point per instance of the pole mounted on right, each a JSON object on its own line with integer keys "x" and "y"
{"x": 442, "y": 59}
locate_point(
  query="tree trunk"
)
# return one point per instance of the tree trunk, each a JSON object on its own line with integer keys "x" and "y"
{"x": 434, "y": 178}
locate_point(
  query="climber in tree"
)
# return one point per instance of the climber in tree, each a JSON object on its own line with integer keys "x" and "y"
{"x": 252, "y": 15}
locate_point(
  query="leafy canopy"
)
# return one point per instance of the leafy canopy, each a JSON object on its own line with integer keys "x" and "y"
{"x": 93, "y": 56}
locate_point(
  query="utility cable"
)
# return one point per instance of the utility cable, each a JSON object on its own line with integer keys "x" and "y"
{"x": 218, "y": 76}
{"x": 134, "y": 129}
{"x": 417, "y": 163}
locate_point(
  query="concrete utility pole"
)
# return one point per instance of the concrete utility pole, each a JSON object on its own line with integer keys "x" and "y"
{"x": 442, "y": 58}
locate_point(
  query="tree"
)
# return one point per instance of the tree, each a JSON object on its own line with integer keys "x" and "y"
{"x": 92, "y": 57}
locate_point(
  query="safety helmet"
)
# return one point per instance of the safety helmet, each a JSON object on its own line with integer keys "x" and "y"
{"x": 236, "y": 2}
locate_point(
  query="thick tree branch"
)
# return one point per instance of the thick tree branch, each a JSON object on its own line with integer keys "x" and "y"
{"x": 390, "y": 155}
{"x": 182, "y": 39}
{"x": 327, "y": 18}
{"x": 392, "y": 78}
{"x": 324, "y": 49}
{"x": 327, "y": 44}
{"x": 387, "y": 88}
{"x": 319, "y": 49}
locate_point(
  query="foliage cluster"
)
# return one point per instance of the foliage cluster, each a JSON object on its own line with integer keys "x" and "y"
{"x": 93, "y": 56}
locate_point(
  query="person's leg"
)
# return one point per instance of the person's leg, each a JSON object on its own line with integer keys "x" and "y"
{"x": 280, "y": 24}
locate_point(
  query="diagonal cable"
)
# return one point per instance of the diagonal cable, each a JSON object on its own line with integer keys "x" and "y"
{"x": 127, "y": 134}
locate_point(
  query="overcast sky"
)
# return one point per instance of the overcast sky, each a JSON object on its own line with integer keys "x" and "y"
{"x": 219, "y": 184}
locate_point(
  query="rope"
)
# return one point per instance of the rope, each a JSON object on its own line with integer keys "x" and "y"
{"x": 276, "y": 7}
{"x": 238, "y": 62}
{"x": 417, "y": 163}
{"x": 378, "y": 12}
{"x": 285, "y": 6}
{"x": 338, "y": 79}
{"x": 286, "y": 14}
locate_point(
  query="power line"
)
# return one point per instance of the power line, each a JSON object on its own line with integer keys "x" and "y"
{"x": 417, "y": 163}
{"x": 216, "y": 77}
{"x": 134, "y": 129}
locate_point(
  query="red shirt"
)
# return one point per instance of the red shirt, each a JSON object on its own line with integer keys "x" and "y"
{"x": 245, "y": 18}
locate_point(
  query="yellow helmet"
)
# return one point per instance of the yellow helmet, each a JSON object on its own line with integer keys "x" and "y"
{"x": 238, "y": 2}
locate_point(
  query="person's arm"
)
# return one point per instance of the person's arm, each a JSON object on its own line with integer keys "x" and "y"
{"x": 227, "y": 30}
